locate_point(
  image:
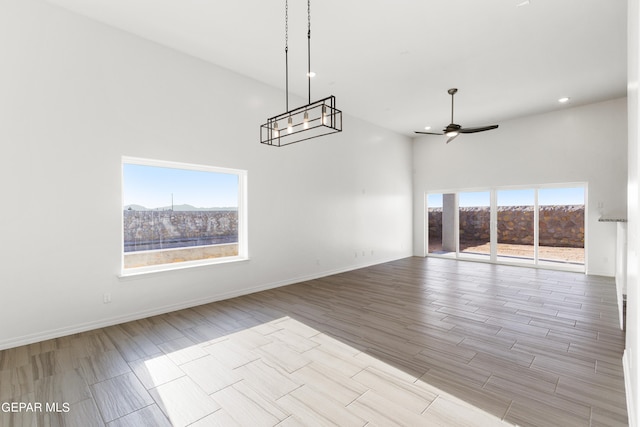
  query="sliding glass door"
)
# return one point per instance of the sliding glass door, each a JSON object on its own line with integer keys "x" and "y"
{"x": 538, "y": 226}
{"x": 441, "y": 238}
{"x": 474, "y": 229}
{"x": 516, "y": 225}
{"x": 434, "y": 223}
{"x": 561, "y": 225}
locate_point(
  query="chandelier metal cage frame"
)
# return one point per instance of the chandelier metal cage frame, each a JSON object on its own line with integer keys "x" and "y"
{"x": 313, "y": 120}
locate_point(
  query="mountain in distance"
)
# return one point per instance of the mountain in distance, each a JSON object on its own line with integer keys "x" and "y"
{"x": 176, "y": 208}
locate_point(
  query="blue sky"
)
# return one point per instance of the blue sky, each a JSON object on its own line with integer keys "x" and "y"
{"x": 546, "y": 196}
{"x": 152, "y": 187}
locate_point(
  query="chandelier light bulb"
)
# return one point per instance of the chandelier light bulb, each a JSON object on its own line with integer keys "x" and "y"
{"x": 305, "y": 120}
{"x": 276, "y": 132}
{"x": 324, "y": 115}
{"x": 290, "y": 125}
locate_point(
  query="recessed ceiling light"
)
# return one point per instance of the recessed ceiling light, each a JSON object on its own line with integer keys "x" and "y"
{"x": 311, "y": 74}
{"x": 564, "y": 100}
{"x": 427, "y": 128}
{"x": 524, "y": 3}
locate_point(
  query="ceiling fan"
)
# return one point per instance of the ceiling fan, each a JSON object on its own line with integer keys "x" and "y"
{"x": 453, "y": 130}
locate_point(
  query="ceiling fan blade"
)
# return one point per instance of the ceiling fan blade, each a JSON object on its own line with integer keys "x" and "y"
{"x": 429, "y": 133}
{"x": 452, "y": 138}
{"x": 478, "y": 129}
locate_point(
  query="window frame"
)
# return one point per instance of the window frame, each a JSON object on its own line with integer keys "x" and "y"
{"x": 243, "y": 253}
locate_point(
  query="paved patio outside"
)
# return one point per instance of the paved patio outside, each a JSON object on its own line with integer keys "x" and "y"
{"x": 572, "y": 255}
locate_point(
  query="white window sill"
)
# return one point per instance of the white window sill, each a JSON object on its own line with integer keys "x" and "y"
{"x": 143, "y": 272}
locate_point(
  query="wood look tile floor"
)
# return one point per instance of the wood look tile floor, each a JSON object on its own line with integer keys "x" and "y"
{"x": 411, "y": 342}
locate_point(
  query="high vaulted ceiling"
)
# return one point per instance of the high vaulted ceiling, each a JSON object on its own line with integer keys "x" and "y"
{"x": 392, "y": 61}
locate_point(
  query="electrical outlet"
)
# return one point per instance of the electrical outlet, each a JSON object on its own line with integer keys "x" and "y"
{"x": 106, "y": 298}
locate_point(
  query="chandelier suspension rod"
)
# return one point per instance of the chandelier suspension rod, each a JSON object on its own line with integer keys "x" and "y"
{"x": 286, "y": 51}
{"x": 309, "y": 47}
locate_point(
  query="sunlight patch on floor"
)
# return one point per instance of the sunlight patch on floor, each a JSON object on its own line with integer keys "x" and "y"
{"x": 285, "y": 370}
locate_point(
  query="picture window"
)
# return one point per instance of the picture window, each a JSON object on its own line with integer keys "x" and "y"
{"x": 177, "y": 215}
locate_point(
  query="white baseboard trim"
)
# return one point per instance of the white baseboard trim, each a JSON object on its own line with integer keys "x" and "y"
{"x": 84, "y": 327}
{"x": 631, "y": 403}
{"x": 600, "y": 273}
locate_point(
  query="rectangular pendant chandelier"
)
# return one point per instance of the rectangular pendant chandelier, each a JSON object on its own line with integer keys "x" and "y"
{"x": 309, "y": 121}
{"x": 313, "y": 120}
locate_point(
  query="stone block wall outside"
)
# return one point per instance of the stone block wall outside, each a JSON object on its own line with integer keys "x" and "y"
{"x": 560, "y": 226}
{"x": 146, "y": 227}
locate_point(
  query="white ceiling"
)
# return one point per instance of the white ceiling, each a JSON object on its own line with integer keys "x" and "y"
{"x": 392, "y": 61}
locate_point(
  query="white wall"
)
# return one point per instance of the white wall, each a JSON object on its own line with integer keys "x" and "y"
{"x": 580, "y": 144}
{"x": 631, "y": 360}
{"x": 78, "y": 95}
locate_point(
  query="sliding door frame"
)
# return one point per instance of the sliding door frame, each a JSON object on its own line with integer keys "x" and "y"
{"x": 493, "y": 257}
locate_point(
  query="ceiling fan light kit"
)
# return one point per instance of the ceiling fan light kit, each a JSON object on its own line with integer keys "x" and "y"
{"x": 453, "y": 130}
{"x": 313, "y": 120}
